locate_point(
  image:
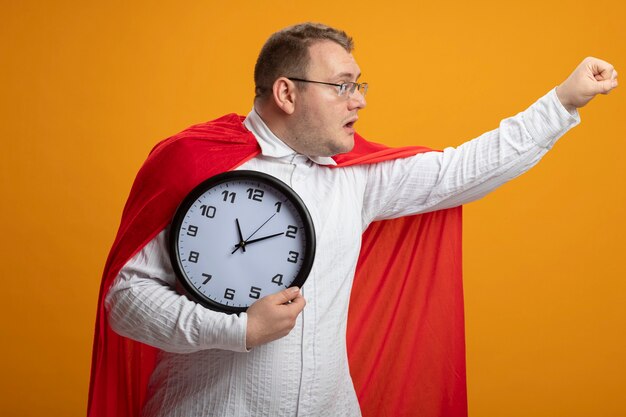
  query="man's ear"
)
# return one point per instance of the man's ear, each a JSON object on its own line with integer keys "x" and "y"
{"x": 284, "y": 94}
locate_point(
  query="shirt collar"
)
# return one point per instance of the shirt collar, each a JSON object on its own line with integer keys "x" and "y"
{"x": 271, "y": 145}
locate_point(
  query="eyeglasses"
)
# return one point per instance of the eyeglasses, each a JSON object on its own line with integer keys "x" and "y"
{"x": 345, "y": 89}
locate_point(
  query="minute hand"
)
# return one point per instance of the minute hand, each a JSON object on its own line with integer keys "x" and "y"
{"x": 263, "y": 238}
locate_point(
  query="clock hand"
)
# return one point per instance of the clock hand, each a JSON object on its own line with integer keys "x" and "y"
{"x": 263, "y": 238}
{"x": 241, "y": 243}
{"x": 237, "y": 246}
{"x": 253, "y": 233}
{"x": 245, "y": 242}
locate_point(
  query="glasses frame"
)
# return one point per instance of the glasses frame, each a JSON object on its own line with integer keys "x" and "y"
{"x": 350, "y": 86}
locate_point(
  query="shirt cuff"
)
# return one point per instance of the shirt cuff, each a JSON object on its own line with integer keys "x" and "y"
{"x": 225, "y": 331}
{"x": 547, "y": 120}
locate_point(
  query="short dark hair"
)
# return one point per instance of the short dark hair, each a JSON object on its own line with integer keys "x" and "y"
{"x": 286, "y": 53}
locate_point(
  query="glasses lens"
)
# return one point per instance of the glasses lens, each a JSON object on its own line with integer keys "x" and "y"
{"x": 363, "y": 89}
{"x": 348, "y": 89}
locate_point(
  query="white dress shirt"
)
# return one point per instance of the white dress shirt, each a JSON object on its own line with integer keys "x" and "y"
{"x": 203, "y": 367}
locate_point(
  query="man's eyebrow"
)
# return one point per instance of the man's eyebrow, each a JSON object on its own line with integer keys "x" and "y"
{"x": 348, "y": 75}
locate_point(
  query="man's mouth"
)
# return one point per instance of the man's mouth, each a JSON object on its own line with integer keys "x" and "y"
{"x": 350, "y": 124}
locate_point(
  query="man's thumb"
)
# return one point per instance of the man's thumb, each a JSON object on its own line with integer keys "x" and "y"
{"x": 287, "y": 295}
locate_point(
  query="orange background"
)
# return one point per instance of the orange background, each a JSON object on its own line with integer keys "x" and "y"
{"x": 88, "y": 87}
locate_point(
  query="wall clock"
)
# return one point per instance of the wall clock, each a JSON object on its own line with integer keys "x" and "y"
{"x": 239, "y": 236}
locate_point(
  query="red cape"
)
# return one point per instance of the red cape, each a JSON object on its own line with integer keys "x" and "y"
{"x": 406, "y": 342}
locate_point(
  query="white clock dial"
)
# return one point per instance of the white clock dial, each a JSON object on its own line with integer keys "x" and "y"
{"x": 240, "y": 236}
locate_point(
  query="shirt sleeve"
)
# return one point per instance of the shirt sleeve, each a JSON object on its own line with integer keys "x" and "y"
{"x": 143, "y": 305}
{"x": 437, "y": 180}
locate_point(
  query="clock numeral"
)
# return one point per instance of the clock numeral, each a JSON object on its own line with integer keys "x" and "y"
{"x": 208, "y": 278}
{"x": 192, "y": 230}
{"x": 278, "y": 204}
{"x": 278, "y": 279}
{"x": 291, "y": 231}
{"x": 229, "y": 294}
{"x": 255, "y": 292}
{"x": 208, "y": 211}
{"x": 293, "y": 257}
{"x": 255, "y": 194}
{"x": 228, "y": 195}
{"x": 193, "y": 257}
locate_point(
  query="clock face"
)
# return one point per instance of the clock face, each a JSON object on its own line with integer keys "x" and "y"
{"x": 240, "y": 236}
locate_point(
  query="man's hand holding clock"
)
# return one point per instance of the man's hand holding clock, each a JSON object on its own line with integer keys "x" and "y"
{"x": 273, "y": 316}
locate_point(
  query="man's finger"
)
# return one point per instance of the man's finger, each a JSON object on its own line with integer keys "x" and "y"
{"x": 605, "y": 75}
{"x": 297, "y": 303}
{"x": 286, "y": 295}
{"x": 607, "y": 85}
{"x": 599, "y": 67}
{"x": 602, "y": 72}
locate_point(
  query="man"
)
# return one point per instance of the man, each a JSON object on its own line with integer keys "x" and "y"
{"x": 281, "y": 358}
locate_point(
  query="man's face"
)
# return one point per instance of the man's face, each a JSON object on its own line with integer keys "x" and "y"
{"x": 323, "y": 121}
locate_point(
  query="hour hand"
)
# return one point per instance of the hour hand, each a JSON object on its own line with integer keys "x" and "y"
{"x": 242, "y": 243}
{"x": 263, "y": 238}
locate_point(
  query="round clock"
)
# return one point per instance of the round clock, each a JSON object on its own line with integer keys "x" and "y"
{"x": 239, "y": 236}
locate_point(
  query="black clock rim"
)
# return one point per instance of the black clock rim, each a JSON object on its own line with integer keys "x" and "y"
{"x": 177, "y": 220}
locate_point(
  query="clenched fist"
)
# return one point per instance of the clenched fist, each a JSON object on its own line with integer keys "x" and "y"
{"x": 593, "y": 76}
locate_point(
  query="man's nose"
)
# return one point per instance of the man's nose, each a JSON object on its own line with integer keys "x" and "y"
{"x": 357, "y": 100}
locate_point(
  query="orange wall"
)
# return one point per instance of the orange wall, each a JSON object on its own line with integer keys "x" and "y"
{"x": 89, "y": 87}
